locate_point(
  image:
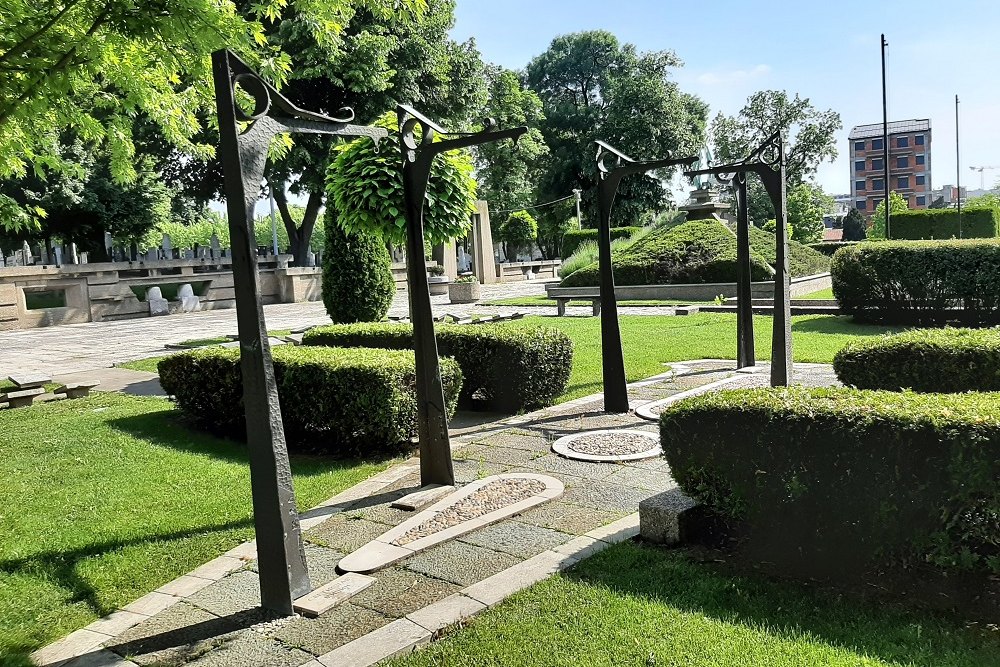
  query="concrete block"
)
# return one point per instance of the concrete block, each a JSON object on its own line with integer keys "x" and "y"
{"x": 660, "y": 516}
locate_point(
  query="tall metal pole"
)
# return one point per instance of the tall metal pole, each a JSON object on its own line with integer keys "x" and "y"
{"x": 958, "y": 173}
{"x": 745, "y": 353}
{"x": 885, "y": 141}
{"x": 579, "y": 220}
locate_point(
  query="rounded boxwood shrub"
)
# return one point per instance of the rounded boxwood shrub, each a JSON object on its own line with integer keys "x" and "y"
{"x": 343, "y": 401}
{"x": 700, "y": 251}
{"x": 826, "y": 481}
{"x": 929, "y": 360}
{"x": 505, "y": 367}
{"x": 930, "y": 283}
{"x": 357, "y": 275}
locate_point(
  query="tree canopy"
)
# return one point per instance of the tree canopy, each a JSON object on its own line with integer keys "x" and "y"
{"x": 91, "y": 67}
{"x": 811, "y": 140}
{"x": 594, "y": 87}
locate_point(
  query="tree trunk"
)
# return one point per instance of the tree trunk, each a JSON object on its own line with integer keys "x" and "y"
{"x": 299, "y": 237}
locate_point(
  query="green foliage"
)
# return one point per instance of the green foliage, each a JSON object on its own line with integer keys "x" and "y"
{"x": 553, "y": 224}
{"x": 975, "y": 223}
{"x": 898, "y": 204}
{"x": 767, "y": 111}
{"x": 367, "y": 189}
{"x": 807, "y": 204}
{"x": 335, "y": 401}
{"x": 591, "y": 85}
{"x": 855, "y": 228}
{"x": 94, "y": 67}
{"x": 919, "y": 282}
{"x": 357, "y": 279}
{"x": 506, "y": 367}
{"x": 700, "y": 251}
{"x": 518, "y": 231}
{"x": 507, "y": 173}
{"x": 927, "y": 360}
{"x": 834, "y": 480}
{"x": 828, "y": 248}
{"x": 574, "y": 237}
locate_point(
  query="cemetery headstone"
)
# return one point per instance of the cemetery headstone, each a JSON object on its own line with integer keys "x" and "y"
{"x": 310, "y": 258}
{"x": 216, "y": 247}
{"x": 157, "y": 304}
{"x": 189, "y": 302}
{"x": 59, "y": 255}
{"x": 26, "y": 254}
{"x": 168, "y": 250}
{"x": 73, "y": 256}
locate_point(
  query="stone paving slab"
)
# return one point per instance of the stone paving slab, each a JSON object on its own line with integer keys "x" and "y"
{"x": 210, "y": 617}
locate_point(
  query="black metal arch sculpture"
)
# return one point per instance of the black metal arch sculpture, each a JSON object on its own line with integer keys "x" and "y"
{"x": 281, "y": 558}
{"x": 611, "y": 175}
{"x": 768, "y": 162}
{"x": 418, "y": 155}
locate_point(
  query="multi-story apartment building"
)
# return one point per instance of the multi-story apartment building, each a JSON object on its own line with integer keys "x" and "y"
{"x": 909, "y": 163}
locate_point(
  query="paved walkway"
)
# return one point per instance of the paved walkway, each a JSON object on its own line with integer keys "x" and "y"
{"x": 211, "y": 617}
{"x": 76, "y": 348}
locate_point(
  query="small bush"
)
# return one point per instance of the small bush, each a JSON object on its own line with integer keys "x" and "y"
{"x": 927, "y": 360}
{"x": 517, "y": 232}
{"x": 574, "y": 237}
{"x": 505, "y": 367}
{"x": 943, "y": 223}
{"x": 357, "y": 276}
{"x": 928, "y": 283}
{"x": 836, "y": 479}
{"x": 344, "y": 401}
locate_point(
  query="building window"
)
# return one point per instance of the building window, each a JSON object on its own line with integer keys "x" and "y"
{"x": 876, "y": 144}
{"x": 859, "y": 165}
{"x": 920, "y": 159}
{"x": 861, "y": 205}
{"x": 859, "y": 186}
{"x": 918, "y": 140}
{"x": 903, "y": 162}
{"x": 921, "y": 200}
{"x": 877, "y": 164}
{"x": 859, "y": 145}
{"x": 903, "y": 182}
{"x": 878, "y": 184}
{"x": 875, "y": 203}
{"x": 902, "y": 142}
{"x": 921, "y": 179}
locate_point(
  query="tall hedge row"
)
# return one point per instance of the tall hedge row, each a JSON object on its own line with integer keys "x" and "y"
{"x": 825, "y": 481}
{"x": 505, "y": 367}
{"x": 574, "y": 237}
{"x": 920, "y": 282}
{"x": 829, "y": 247}
{"x": 345, "y": 401}
{"x": 943, "y": 223}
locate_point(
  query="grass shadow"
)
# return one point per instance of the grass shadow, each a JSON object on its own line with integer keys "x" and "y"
{"x": 786, "y": 609}
{"x": 841, "y": 325}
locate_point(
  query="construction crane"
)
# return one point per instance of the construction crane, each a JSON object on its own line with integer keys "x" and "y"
{"x": 982, "y": 181}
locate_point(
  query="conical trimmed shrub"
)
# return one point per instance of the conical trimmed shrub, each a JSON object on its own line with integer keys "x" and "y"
{"x": 357, "y": 278}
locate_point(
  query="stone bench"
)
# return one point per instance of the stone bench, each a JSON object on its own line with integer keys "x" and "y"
{"x": 76, "y": 389}
{"x": 21, "y": 398}
{"x": 595, "y": 302}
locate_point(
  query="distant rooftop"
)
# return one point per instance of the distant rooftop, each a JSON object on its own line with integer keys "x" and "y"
{"x": 895, "y": 127}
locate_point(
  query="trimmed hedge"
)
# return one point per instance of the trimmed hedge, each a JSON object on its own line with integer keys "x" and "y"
{"x": 345, "y": 401}
{"x": 700, "y": 251}
{"x": 826, "y": 481}
{"x": 505, "y": 367}
{"x": 828, "y": 248}
{"x": 574, "y": 237}
{"x": 943, "y": 223}
{"x": 919, "y": 282}
{"x": 927, "y": 360}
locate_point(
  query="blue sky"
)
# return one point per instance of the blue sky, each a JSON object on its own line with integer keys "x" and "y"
{"x": 826, "y": 51}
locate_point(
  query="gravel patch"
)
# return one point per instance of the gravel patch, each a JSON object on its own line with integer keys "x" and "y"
{"x": 491, "y": 497}
{"x": 612, "y": 444}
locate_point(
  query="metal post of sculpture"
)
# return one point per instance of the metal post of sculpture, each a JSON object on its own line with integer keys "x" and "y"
{"x": 745, "y": 353}
{"x": 613, "y": 363}
{"x": 243, "y": 150}
{"x": 418, "y": 156}
{"x": 768, "y": 162}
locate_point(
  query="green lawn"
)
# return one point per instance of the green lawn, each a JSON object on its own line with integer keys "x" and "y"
{"x": 148, "y": 364}
{"x": 648, "y": 342}
{"x": 819, "y": 294}
{"x": 541, "y": 300}
{"x": 107, "y": 498}
{"x": 636, "y": 605}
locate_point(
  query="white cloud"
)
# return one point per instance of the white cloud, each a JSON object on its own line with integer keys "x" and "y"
{"x": 730, "y": 77}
